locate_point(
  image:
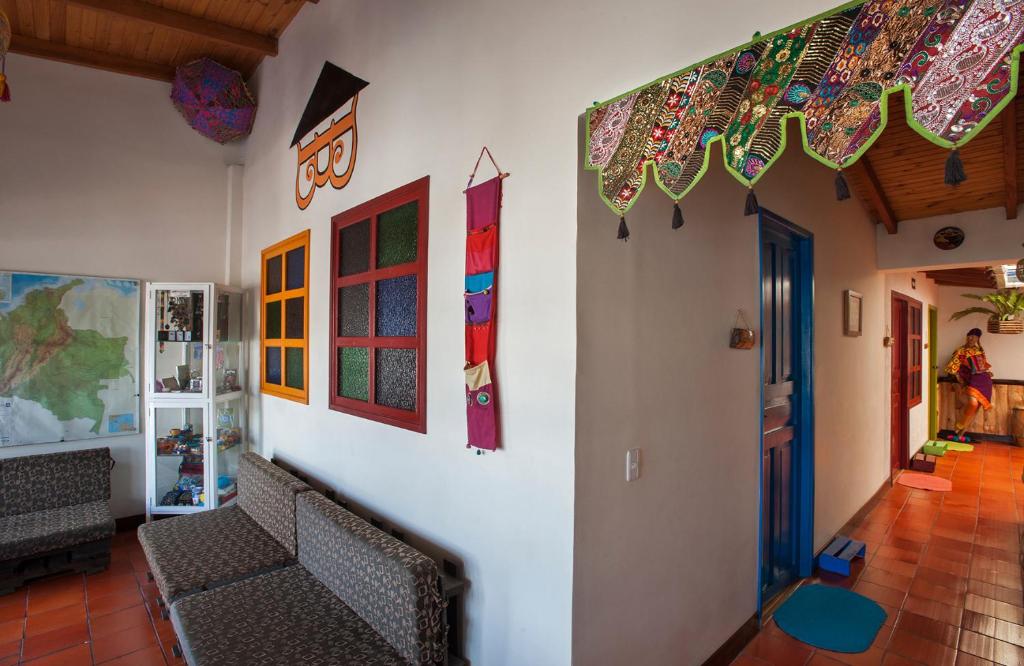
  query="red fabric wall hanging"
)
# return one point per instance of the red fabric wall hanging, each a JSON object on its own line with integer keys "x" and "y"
{"x": 483, "y": 212}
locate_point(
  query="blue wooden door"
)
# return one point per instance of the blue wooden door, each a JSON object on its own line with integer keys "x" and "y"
{"x": 780, "y": 272}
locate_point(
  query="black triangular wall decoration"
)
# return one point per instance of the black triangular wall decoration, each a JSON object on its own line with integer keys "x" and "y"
{"x": 333, "y": 88}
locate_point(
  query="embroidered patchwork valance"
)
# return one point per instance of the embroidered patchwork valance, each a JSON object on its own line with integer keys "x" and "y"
{"x": 957, "y": 61}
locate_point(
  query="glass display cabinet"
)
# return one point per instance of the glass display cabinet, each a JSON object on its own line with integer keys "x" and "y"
{"x": 195, "y": 399}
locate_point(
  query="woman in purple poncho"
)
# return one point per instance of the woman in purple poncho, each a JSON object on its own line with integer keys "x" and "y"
{"x": 972, "y": 370}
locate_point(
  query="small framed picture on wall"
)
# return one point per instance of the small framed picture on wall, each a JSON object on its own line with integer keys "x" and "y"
{"x": 853, "y": 313}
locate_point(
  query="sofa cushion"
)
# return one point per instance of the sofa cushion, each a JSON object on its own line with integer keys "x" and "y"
{"x": 392, "y": 586}
{"x": 284, "y": 617}
{"x": 53, "y": 529}
{"x": 206, "y": 549}
{"x": 51, "y": 480}
{"x": 267, "y": 493}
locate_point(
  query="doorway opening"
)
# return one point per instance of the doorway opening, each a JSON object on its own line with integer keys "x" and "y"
{"x": 906, "y": 377}
{"x": 787, "y": 402}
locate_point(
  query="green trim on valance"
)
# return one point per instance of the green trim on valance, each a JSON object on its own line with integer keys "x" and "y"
{"x": 956, "y": 61}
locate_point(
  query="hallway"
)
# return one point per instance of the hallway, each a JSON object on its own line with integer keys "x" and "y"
{"x": 944, "y": 566}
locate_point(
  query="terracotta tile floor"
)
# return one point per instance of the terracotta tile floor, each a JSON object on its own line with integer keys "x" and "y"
{"x": 945, "y": 567}
{"x": 107, "y": 618}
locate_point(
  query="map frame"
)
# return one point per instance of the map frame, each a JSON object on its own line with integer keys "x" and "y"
{"x": 105, "y": 425}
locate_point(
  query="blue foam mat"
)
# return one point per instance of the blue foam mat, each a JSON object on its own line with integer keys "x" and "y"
{"x": 831, "y": 618}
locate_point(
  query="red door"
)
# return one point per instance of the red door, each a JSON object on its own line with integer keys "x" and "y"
{"x": 900, "y": 428}
{"x": 907, "y": 374}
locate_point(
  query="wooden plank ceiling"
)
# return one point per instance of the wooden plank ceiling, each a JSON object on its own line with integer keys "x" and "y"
{"x": 150, "y": 38}
{"x": 980, "y": 277}
{"x": 901, "y": 177}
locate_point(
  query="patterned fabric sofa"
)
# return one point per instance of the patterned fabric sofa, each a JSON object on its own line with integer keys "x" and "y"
{"x": 357, "y": 596}
{"x": 54, "y": 515}
{"x": 254, "y": 535}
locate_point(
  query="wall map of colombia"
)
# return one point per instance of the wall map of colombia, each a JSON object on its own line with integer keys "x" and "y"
{"x": 69, "y": 357}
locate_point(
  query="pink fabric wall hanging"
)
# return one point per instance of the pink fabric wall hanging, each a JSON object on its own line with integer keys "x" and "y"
{"x": 483, "y": 212}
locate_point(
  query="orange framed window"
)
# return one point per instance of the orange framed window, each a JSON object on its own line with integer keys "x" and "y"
{"x": 284, "y": 319}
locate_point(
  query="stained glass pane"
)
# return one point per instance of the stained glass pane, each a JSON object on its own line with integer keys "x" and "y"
{"x": 396, "y": 378}
{"x": 273, "y": 274}
{"x": 272, "y": 368}
{"x": 294, "y": 326}
{"x": 354, "y": 317}
{"x": 355, "y": 248}
{"x": 396, "y": 235}
{"x": 295, "y": 263}
{"x": 293, "y": 367}
{"x": 396, "y": 306}
{"x": 273, "y": 323}
{"x": 354, "y": 368}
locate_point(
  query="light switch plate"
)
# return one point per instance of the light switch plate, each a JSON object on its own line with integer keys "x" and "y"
{"x": 632, "y": 464}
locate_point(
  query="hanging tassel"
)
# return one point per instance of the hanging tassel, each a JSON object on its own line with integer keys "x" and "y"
{"x": 751, "y": 208}
{"x": 842, "y": 188}
{"x": 623, "y": 229}
{"x": 677, "y": 216}
{"x": 955, "y": 168}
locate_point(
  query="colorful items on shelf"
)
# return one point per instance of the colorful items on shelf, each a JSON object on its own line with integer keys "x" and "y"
{"x": 179, "y": 317}
{"x": 228, "y": 433}
{"x": 214, "y": 100}
{"x": 188, "y": 489}
{"x": 226, "y": 488}
{"x": 227, "y": 438}
{"x": 956, "y": 62}
{"x": 180, "y": 441}
{"x": 483, "y": 212}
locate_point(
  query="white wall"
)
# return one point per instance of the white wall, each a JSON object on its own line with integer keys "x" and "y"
{"x": 988, "y": 237}
{"x": 446, "y": 78}
{"x": 100, "y": 175}
{"x": 666, "y": 567}
{"x": 1004, "y": 352}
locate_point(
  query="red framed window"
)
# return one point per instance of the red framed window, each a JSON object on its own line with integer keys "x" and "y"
{"x": 915, "y": 335}
{"x": 379, "y": 308}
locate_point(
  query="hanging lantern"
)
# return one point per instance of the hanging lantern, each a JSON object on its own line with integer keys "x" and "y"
{"x": 214, "y": 100}
{"x": 5, "y": 45}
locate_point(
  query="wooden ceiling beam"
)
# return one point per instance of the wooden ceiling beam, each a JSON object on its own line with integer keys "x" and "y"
{"x": 976, "y": 277}
{"x": 875, "y": 194}
{"x": 181, "y": 22}
{"x": 75, "y": 55}
{"x": 1009, "y": 120}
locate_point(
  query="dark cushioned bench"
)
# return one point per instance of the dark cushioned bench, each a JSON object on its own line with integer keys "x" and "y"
{"x": 200, "y": 551}
{"x": 357, "y": 596}
{"x": 54, "y": 515}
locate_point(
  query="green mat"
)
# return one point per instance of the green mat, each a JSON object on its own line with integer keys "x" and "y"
{"x": 934, "y": 448}
{"x": 959, "y": 446}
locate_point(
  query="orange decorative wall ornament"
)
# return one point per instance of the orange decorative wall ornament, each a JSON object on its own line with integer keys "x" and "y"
{"x": 330, "y": 156}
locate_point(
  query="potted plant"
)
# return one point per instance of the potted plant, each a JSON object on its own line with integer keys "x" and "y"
{"x": 1004, "y": 315}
